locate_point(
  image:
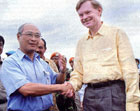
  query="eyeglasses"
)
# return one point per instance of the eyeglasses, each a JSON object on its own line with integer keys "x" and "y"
{"x": 30, "y": 34}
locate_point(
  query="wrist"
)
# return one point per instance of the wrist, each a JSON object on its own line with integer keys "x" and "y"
{"x": 60, "y": 87}
{"x": 62, "y": 71}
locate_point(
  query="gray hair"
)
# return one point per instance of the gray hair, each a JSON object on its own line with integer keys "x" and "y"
{"x": 94, "y": 3}
{"x": 21, "y": 28}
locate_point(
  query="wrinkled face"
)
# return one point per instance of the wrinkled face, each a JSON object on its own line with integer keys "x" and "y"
{"x": 41, "y": 49}
{"x": 1, "y": 47}
{"x": 29, "y": 39}
{"x": 89, "y": 16}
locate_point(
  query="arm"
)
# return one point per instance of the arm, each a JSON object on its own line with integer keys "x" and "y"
{"x": 129, "y": 71}
{"x": 60, "y": 78}
{"x": 36, "y": 89}
{"x": 62, "y": 71}
{"x": 76, "y": 77}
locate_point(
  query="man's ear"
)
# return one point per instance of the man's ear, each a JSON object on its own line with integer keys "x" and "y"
{"x": 18, "y": 36}
{"x": 100, "y": 11}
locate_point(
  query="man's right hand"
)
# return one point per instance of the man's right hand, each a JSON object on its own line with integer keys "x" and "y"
{"x": 68, "y": 90}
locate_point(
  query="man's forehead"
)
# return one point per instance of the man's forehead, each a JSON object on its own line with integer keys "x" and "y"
{"x": 41, "y": 43}
{"x": 31, "y": 28}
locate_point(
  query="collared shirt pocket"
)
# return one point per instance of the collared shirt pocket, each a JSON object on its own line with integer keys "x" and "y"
{"x": 47, "y": 74}
{"x": 107, "y": 54}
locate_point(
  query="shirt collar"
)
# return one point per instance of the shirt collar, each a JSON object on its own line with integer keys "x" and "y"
{"x": 101, "y": 31}
{"x": 23, "y": 55}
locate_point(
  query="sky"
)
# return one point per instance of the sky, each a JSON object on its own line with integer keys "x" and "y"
{"x": 60, "y": 25}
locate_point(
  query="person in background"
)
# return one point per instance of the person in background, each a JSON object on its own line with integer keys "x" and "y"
{"x": 104, "y": 61}
{"x": 41, "y": 51}
{"x": 55, "y": 57}
{"x": 77, "y": 96}
{"x": 63, "y": 103}
{"x": 2, "y": 41}
{"x": 10, "y": 53}
{"x": 137, "y": 62}
{"x": 29, "y": 80}
{"x": 71, "y": 62}
{"x": 3, "y": 99}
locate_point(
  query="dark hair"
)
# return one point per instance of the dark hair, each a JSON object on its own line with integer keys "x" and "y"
{"x": 2, "y": 39}
{"x": 137, "y": 60}
{"x": 44, "y": 43}
{"x": 94, "y": 3}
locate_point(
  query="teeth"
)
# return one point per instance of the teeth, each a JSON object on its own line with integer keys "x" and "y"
{"x": 86, "y": 20}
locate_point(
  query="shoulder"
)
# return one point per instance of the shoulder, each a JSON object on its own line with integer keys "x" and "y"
{"x": 82, "y": 39}
{"x": 112, "y": 28}
{"x": 11, "y": 59}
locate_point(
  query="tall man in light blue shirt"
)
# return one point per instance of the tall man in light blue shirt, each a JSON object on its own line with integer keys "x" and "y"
{"x": 27, "y": 78}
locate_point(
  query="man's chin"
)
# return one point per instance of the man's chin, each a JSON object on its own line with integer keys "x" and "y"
{"x": 87, "y": 25}
{"x": 31, "y": 50}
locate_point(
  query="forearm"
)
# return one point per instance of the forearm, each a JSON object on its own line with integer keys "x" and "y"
{"x": 132, "y": 94}
{"x": 60, "y": 78}
{"x": 76, "y": 80}
{"x": 35, "y": 89}
{"x": 131, "y": 78}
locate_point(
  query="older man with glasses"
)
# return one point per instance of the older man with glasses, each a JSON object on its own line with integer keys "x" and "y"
{"x": 28, "y": 79}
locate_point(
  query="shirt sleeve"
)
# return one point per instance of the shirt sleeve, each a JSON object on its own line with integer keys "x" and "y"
{"x": 129, "y": 71}
{"x": 12, "y": 76}
{"x": 76, "y": 78}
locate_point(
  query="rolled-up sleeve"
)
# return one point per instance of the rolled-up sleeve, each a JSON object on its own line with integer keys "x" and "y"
{"x": 12, "y": 76}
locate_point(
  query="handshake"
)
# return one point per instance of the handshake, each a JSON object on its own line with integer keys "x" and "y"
{"x": 67, "y": 90}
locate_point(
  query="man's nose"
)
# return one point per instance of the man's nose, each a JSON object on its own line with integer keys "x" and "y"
{"x": 84, "y": 16}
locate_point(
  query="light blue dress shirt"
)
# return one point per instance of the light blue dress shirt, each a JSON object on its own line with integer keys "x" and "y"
{"x": 18, "y": 70}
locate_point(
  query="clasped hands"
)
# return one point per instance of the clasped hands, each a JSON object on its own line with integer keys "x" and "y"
{"x": 67, "y": 90}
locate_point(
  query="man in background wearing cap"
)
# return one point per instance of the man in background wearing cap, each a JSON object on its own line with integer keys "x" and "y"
{"x": 3, "y": 100}
{"x": 55, "y": 58}
{"x": 71, "y": 62}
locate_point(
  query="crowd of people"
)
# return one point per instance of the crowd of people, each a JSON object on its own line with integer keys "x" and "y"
{"x": 104, "y": 74}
